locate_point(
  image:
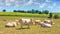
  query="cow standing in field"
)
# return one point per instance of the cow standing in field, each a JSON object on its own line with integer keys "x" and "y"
{"x": 27, "y": 21}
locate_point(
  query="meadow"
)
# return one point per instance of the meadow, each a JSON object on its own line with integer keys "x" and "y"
{"x": 34, "y": 29}
{"x": 22, "y": 14}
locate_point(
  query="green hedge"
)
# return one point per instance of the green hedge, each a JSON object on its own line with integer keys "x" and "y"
{"x": 56, "y": 16}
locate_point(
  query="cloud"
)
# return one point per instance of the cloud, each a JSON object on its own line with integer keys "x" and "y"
{"x": 24, "y": 3}
{"x": 18, "y": 3}
{"x": 8, "y": 3}
{"x": 42, "y": 5}
{"x": 12, "y": 0}
{"x": 48, "y": 0}
{"x": 30, "y": 2}
{"x": 52, "y": 6}
{"x": 37, "y": 0}
{"x": 1, "y": 3}
{"x": 37, "y": 4}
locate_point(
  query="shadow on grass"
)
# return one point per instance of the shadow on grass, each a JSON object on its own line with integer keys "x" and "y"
{"x": 9, "y": 27}
{"x": 21, "y": 28}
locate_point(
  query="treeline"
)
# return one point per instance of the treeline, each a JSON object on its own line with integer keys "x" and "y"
{"x": 33, "y": 11}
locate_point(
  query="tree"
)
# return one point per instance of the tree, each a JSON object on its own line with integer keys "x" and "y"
{"x": 40, "y": 12}
{"x": 50, "y": 15}
{"x": 22, "y": 11}
{"x": 36, "y": 11}
{"x": 33, "y": 11}
{"x": 4, "y": 10}
{"x": 45, "y": 11}
{"x": 14, "y": 11}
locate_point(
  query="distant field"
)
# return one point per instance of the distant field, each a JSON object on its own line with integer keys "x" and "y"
{"x": 34, "y": 29}
{"x": 22, "y": 14}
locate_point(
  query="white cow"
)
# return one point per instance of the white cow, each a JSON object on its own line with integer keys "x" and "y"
{"x": 37, "y": 21}
{"x": 47, "y": 23}
{"x": 12, "y": 24}
{"x": 25, "y": 20}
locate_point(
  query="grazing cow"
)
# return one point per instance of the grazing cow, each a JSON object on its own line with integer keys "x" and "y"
{"x": 12, "y": 24}
{"x": 25, "y": 20}
{"x": 37, "y": 21}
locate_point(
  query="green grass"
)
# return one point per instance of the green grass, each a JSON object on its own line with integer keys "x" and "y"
{"x": 22, "y": 14}
{"x": 25, "y": 14}
{"x": 34, "y": 29}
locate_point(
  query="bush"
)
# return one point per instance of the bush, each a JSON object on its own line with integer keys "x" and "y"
{"x": 50, "y": 15}
{"x": 56, "y": 16}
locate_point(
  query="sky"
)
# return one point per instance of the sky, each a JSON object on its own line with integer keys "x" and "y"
{"x": 10, "y": 5}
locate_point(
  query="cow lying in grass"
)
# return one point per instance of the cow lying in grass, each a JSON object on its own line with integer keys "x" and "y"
{"x": 12, "y": 24}
{"x": 47, "y": 23}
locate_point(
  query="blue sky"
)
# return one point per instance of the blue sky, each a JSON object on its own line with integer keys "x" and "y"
{"x": 10, "y": 5}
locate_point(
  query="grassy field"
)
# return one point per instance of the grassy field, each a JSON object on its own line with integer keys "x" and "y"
{"x": 22, "y": 14}
{"x": 26, "y": 14}
{"x": 34, "y": 29}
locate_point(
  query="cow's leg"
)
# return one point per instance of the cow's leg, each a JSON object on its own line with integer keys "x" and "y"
{"x": 28, "y": 25}
{"x": 21, "y": 25}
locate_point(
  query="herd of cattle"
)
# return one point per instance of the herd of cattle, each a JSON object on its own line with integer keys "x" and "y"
{"x": 30, "y": 21}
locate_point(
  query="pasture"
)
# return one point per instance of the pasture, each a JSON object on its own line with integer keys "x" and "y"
{"x": 34, "y": 29}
